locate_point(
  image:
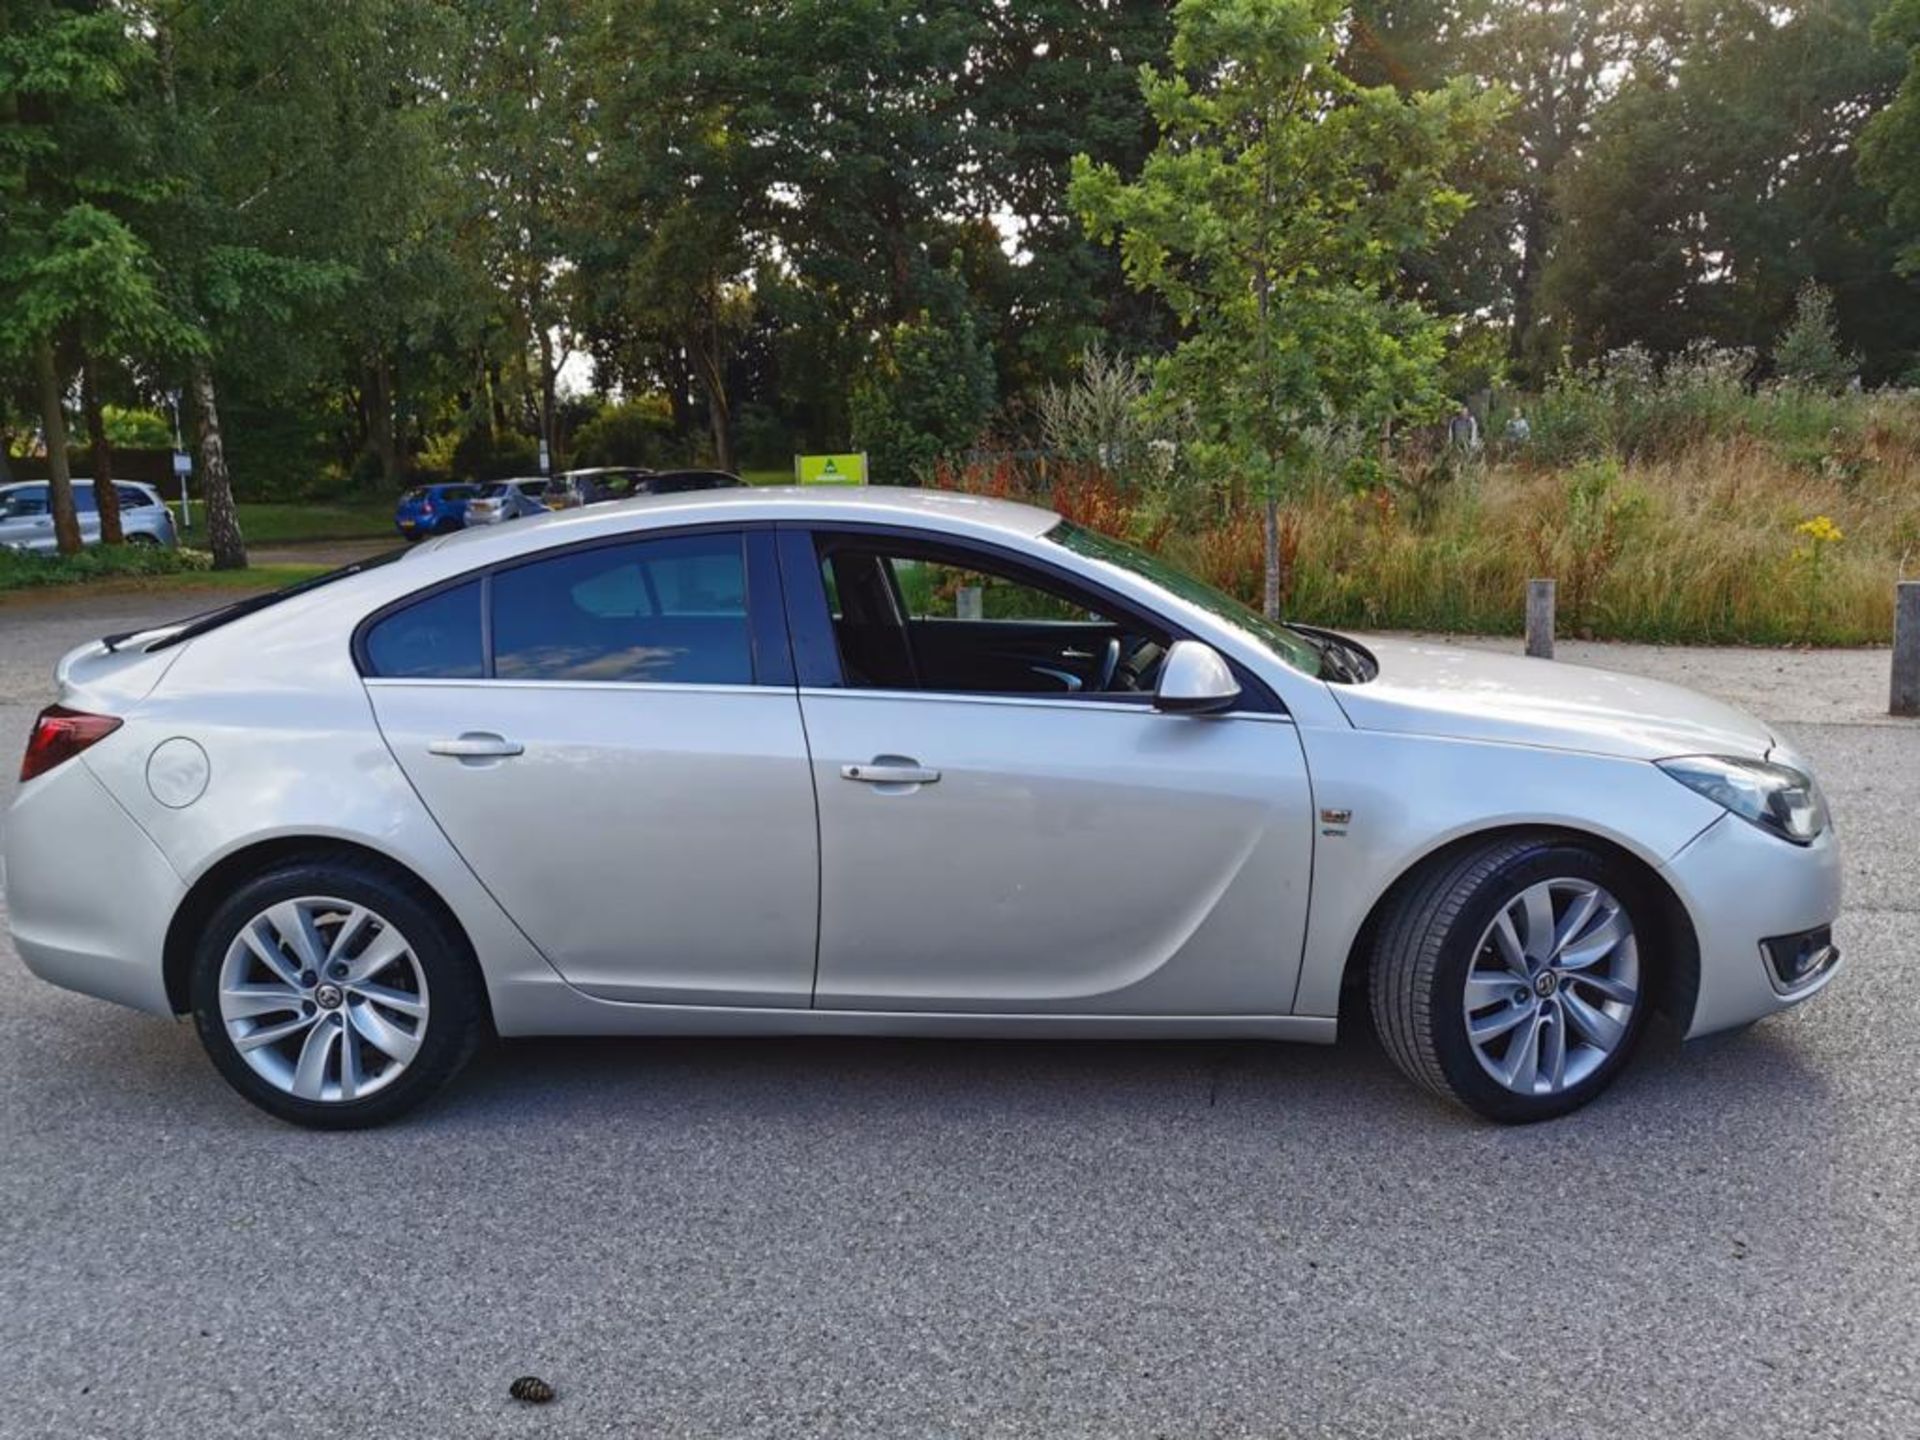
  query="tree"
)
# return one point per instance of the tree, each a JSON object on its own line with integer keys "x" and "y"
{"x": 928, "y": 392}
{"x": 519, "y": 147}
{"x": 1809, "y": 351}
{"x": 70, "y": 268}
{"x": 677, "y": 103}
{"x": 1274, "y": 216}
{"x": 1890, "y": 146}
{"x": 1719, "y": 182}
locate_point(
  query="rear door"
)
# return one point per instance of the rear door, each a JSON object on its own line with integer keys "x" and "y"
{"x": 610, "y": 735}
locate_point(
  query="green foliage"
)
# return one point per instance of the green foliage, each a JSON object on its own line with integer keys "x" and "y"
{"x": 20, "y": 570}
{"x": 137, "y": 429}
{"x": 1715, "y": 185}
{"x": 479, "y": 455}
{"x": 928, "y": 391}
{"x": 1809, "y": 350}
{"x": 1274, "y": 217}
{"x": 634, "y": 432}
{"x": 1890, "y": 142}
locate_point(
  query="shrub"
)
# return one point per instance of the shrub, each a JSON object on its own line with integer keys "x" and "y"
{"x": 1809, "y": 353}
{"x": 21, "y": 570}
{"x": 928, "y": 392}
{"x": 633, "y": 432}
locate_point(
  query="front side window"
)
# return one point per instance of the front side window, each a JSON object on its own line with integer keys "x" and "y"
{"x": 672, "y": 610}
{"x": 913, "y": 616}
{"x": 1283, "y": 643}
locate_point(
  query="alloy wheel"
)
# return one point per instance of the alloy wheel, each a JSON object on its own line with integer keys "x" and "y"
{"x": 324, "y": 999}
{"x": 1552, "y": 987}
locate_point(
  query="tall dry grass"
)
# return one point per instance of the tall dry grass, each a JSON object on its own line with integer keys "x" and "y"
{"x": 1707, "y": 542}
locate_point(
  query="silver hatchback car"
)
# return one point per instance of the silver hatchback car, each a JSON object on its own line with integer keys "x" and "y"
{"x": 26, "y": 515}
{"x": 886, "y": 761}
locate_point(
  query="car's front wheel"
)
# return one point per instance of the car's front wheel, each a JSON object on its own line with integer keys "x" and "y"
{"x": 334, "y": 994}
{"x": 1508, "y": 976}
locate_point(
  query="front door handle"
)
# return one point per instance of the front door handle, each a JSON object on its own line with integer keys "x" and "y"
{"x": 477, "y": 745}
{"x": 890, "y": 770}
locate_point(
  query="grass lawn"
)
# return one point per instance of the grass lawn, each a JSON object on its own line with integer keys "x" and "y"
{"x": 287, "y": 524}
{"x": 128, "y": 569}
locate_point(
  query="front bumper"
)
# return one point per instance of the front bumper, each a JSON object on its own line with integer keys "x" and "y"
{"x": 89, "y": 896}
{"x": 1743, "y": 887}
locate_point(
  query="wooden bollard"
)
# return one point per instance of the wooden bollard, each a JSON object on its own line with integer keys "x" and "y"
{"x": 1905, "y": 694}
{"x": 1540, "y": 619}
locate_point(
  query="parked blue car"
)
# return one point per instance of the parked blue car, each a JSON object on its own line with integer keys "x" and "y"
{"x": 433, "y": 510}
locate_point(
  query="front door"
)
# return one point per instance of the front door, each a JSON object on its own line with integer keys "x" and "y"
{"x": 617, "y": 752}
{"x": 1006, "y": 824}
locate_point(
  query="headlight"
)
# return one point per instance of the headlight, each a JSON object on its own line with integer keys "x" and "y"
{"x": 1774, "y": 797}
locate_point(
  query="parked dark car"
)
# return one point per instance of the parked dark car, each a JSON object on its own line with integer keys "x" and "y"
{"x": 433, "y": 510}
{"x": 622, "y": 482}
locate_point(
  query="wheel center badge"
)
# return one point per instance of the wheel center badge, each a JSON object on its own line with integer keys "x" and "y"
{"x": 1545, "y": 983}
{"x": 328, "y": 997}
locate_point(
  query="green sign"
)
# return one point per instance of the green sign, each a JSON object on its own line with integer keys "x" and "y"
{"x": 831, "y": 469}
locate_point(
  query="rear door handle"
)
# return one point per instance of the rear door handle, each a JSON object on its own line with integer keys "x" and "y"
{"x": 889, "y": 771}
{"x": 477, "y": 745}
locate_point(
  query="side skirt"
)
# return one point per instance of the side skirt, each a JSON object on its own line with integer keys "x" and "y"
{"x": 528, "y": 1009}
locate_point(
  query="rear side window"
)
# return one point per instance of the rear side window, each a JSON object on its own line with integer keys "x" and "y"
{"x": 437, "y": 638}
{"x": 672, "y": 610}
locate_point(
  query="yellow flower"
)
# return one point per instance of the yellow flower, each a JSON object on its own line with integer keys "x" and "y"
{"x": 1821, "y": 530}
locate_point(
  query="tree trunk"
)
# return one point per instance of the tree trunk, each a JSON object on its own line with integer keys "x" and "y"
{"x": 710, "y": 369}
{"x": 678, "y": 376}
{"x": 53, "y": 420}
{"x": 379, "y": 412}
{"x": 1526, "y": 283}
{"x": 105, "y": 498}
{"x": 216, "y": 487}
{"x": 1272, "y": 597}
{"x": 549, "y": 379}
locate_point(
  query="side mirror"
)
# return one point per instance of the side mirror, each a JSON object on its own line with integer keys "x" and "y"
{"x": 1194, "y": 680}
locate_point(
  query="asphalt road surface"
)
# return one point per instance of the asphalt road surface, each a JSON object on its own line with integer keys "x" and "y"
{"x": 873, "y": 1238}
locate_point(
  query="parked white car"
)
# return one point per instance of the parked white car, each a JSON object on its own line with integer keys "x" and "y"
{"x": 733, "y": 762}
{"x": 26, "y": 515}
{"x": 503, "y": 500}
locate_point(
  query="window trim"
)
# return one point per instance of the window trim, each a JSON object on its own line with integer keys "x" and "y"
{"x": 816, "y": 649}
{"x": 768, "y": 650}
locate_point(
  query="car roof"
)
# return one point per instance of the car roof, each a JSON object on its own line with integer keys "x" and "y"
{"x": 77, "y": 482}
{"x": 852, "y": 504}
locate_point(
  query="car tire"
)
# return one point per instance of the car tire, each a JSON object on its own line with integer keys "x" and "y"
{"x": 143, "y": 540}
{"x": 1479, "y": 996}
{"x": 389, "y": 1013}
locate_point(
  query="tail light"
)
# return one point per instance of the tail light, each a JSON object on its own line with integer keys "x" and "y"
{"x": 59, "y": 734}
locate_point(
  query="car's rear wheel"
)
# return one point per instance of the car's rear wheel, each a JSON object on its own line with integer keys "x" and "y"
{"x": 334, "y": 994}
{"x": 1508, "y": 976}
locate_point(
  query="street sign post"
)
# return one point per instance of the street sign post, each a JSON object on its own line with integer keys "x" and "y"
{"x": 831, "y": 469}
{"x": 182, "y": 468}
